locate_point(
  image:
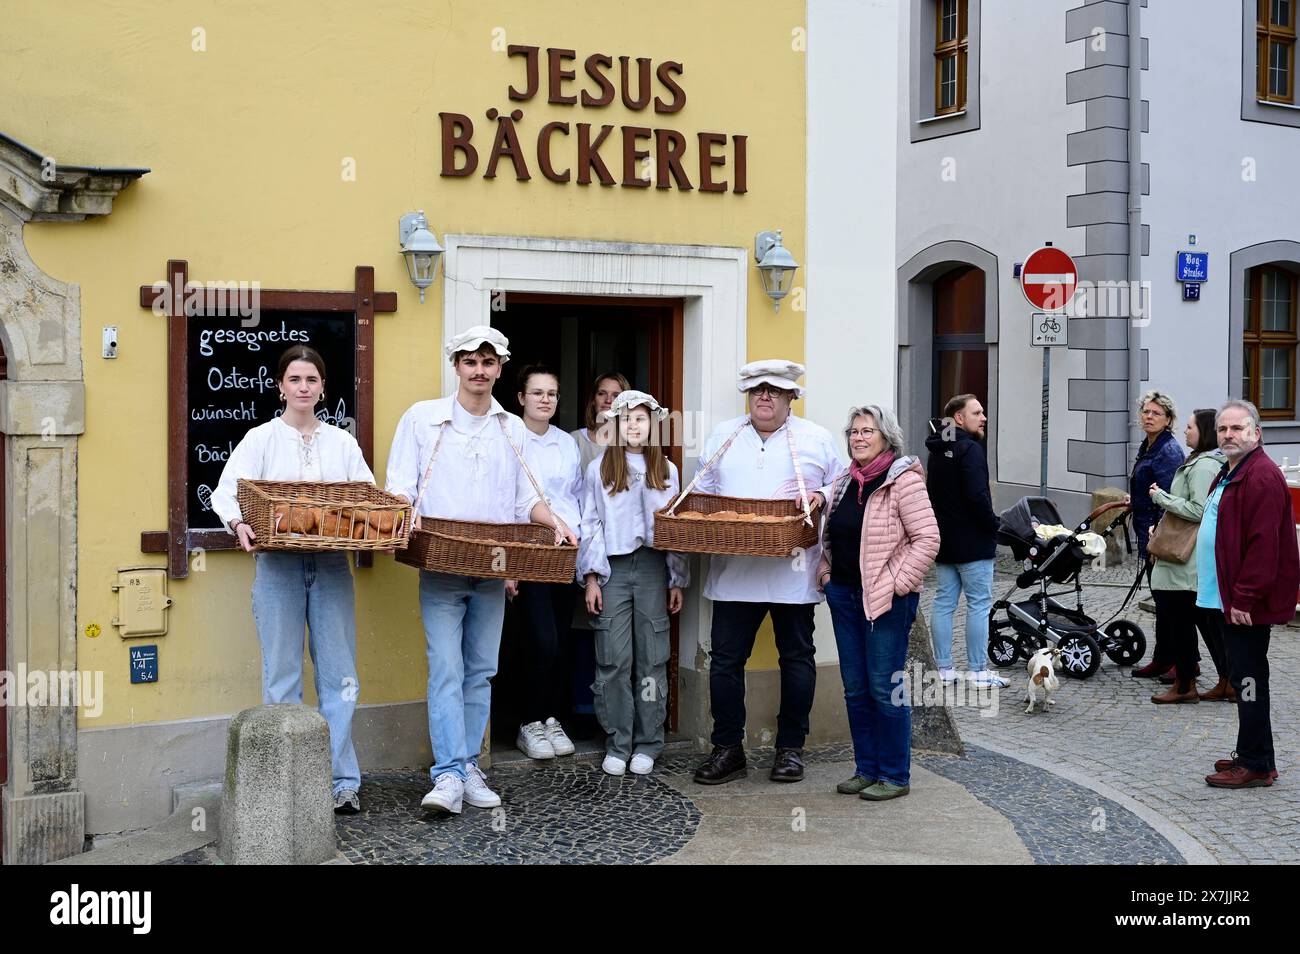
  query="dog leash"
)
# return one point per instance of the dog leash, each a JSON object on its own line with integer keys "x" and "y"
{"x": 1137, "y": 583}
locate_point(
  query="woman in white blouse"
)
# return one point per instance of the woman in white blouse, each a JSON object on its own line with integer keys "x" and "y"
{"x": 626, "y": 580}
{"x": 594, "y": 435}
{"x": 293, "y": 588}
{"x": 547, "y": 608}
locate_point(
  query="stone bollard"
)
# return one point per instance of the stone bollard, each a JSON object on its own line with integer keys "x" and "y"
{"x": 1115, "y": 552}
{"x": 276, "y": 807}
{"x": 933, "y": 727}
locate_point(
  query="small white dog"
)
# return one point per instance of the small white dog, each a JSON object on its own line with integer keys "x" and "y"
{"x": 1042, "y": 679}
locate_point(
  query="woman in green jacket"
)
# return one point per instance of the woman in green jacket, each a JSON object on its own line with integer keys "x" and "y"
{"x": 1173, "y": 585}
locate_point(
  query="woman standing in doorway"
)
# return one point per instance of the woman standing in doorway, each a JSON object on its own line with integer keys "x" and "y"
{"x": 594, "y": 436}
{"x": 290, "y": 588}
{"x": 547, "y": 608}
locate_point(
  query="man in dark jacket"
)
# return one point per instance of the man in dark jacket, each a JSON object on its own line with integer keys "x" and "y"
{"x": 1248, "y": 571}
{"x": 958, "y": 480}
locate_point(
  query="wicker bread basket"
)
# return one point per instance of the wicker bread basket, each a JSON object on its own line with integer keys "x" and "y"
{"x": 506, "y": 551}
{"x": 783, "y": 530}
{"x": 322, "y": 515}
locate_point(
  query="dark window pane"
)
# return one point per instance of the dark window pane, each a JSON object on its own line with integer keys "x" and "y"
{"x": 1278, "y": 69}
{"x": 962, "y": 372}
{"x": 947, "y": 82}
{"x": 959, "y": 303}
{"x": 1274, "y": 378}
{"x": 948, "y": 25}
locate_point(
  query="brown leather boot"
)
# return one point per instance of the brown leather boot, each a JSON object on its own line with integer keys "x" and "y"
{"x": 1186, "y": 692}
{"x": 1222, "y": 692}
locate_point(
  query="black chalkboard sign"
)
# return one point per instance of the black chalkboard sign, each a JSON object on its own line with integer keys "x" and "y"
{"x": 232, "y": 387}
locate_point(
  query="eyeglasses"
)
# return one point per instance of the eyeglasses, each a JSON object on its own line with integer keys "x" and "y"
{"x": 769, "y": 390}
{"x": 1150, "y": 413}
{"x": 538, "y": 395}
{"x": 867, "y": 432}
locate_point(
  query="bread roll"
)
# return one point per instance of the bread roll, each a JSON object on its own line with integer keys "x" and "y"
{"x": 337, "y": 522}
{"x": 383, "y": 521}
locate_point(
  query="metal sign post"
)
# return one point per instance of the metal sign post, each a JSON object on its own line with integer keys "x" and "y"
{"x": 1047, "y": 331}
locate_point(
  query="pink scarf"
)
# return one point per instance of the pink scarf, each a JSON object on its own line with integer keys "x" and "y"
{"x": 866, "y": 473}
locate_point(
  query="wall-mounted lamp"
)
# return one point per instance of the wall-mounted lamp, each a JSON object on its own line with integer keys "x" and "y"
{"x": 776, "y": 266}
{"x": 420, "y": 248}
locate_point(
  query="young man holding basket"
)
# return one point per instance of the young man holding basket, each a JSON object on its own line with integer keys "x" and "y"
{"x": 460, "y": 458}
{"x": 756, "y": 457}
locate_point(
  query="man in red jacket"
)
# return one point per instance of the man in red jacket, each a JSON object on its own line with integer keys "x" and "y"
{"x": 1248, "y": 569}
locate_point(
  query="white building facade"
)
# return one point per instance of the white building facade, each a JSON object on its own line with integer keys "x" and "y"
{"x": 1011, "y": 129}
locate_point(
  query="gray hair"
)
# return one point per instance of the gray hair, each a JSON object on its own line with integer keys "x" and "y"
{"x": 1164, "y": 401}
{"x": 1240, "y": 405}
{"x": 886, "y": 423}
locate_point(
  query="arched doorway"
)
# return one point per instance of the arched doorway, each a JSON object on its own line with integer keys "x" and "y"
{"x": 947, "y": 337}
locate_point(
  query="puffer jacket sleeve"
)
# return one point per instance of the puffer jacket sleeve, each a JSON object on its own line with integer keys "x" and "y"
{"x": 920, "y": 530}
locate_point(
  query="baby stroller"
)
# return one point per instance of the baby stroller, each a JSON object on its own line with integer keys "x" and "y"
{"x": 1032, "y": 624}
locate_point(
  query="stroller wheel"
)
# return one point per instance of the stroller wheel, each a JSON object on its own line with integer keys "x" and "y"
{"x": 1030, "y": 643}
{"x": 1002, "y": 650}
{"x": 1126, "y": 643}
{"x": 1080, "y": 655}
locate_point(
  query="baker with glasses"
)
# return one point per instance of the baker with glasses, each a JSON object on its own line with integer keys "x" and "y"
{"x": 745, "y": 590}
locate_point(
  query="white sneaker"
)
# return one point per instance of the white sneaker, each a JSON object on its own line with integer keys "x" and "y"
{"x": 477, "y": 792}
{"x": 948, "y": 676}
{"x": 642, "y": 764}
{"x": 532, "y": 741}
{"x": 560, "y": 742}
{"x": 613, "y": 765}
{"x": 446, "y": 796}
{"x": 986, "y": 678}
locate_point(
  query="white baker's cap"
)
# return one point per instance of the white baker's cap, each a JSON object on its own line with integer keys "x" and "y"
{"x": 774, "y": 371}
{"x": 627, "y": 400}
{"x": 473, "y": 338}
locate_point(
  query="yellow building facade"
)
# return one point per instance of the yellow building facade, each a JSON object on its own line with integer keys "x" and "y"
{"x": 282, "y": 143}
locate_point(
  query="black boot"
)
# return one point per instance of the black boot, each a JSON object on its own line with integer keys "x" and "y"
{"x": 788, "y": 765}
{"x": 726, "y": 762}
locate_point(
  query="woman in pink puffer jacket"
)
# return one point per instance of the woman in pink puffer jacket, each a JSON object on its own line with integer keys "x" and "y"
{"x": 879, "y": 538}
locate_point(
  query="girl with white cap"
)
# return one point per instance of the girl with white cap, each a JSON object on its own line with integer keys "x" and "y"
{"x": 626, "y": 578}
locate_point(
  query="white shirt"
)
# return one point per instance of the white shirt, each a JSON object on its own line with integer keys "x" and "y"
{"x": 476, "y": 475}
{"x": 276, "y": 451}
{"x": 618, "y": 524}
{"x": 755, "y": 468}
{"x": 553, "y": 457}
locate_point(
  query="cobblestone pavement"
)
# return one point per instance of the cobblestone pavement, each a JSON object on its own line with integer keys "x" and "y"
{"x": 569, "y": 812}
{"x": 1105, "y": 733}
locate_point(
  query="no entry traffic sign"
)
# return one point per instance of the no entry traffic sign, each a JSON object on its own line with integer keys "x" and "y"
{"x": 1048, "y": 279}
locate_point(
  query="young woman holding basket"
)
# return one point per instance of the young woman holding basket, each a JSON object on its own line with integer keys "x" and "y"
{"x": 296, "y": 588}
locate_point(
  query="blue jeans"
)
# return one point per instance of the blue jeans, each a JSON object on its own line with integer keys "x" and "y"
{"x": 315, "y": 589}
{"x": 871, "y": 654}
{"x": 976, "y": 579}
{"x": 462, "y": 632}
